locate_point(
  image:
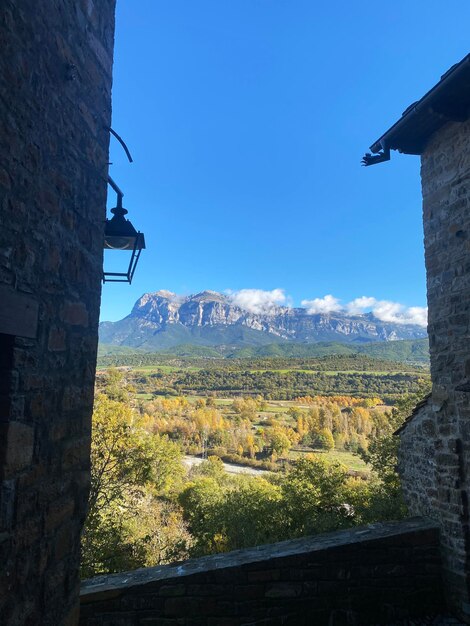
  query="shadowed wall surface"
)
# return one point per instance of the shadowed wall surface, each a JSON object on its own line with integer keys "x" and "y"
{"x": 435, "y": 443}
{"x": 377, "y": 574}
{"x": 55, "y": 95}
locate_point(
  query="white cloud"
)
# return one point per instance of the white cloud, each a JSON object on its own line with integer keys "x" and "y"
{"x": 384, "y": 310}
{"x": 418, "y": 315}
{"x": 399, "y": 314}
{"x": 327, "y": 304}
{"x": 266, "y": 302}
{"x": 360, "y": 304}
{"x": 388, "y": 311}
{"x": 258, "y": 300}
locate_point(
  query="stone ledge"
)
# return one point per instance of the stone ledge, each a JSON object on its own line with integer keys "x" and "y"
{"x": 108, "y": 586}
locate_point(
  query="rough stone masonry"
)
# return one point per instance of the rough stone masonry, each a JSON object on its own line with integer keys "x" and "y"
{"x": 434, "y": 457}
{"x": 380, "y": 574}
{"x": 55, "y": 94}
{"x": 435, "y": 443}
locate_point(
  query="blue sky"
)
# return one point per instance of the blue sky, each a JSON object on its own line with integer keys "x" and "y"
{"x": 247, "y": 120}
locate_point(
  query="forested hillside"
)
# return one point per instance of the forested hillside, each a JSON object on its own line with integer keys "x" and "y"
{"x": 406, "y": 351}
{"x": 273, "y": 378}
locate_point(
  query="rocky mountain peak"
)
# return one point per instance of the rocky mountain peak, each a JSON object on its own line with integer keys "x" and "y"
{"x": 208, "y": 296}
{"x": 163, "y": 318}
{"x": 162, "y": 293}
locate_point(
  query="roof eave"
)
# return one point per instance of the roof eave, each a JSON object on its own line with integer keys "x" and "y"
{"x": 402, "y": 136}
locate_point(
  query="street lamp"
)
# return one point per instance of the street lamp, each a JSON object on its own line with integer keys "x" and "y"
{"x": 120, "y": 234}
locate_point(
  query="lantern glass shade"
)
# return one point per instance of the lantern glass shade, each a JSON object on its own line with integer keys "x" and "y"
{"x": 119, "y": 242}
{"x": 120, "y": 234}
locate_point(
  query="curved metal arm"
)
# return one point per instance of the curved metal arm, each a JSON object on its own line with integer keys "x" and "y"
{"x": 122, "y": 142}
{"x": 112, "y": 184}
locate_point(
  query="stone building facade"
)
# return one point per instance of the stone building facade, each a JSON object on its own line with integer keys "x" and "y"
{"x": 55, "y": 95}
{"x": 434, "y": 457}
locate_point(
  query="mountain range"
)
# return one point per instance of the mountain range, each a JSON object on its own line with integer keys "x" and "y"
{"x": 163, "y": 320}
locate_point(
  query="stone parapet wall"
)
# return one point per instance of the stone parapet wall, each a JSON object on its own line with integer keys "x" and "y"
{"x": 372, "y": 575}
{"x": 55, "y": 94}
{"x": 417, "y": 463}
{"x": 429, "y": 466}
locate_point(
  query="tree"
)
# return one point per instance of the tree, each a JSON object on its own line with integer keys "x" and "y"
{"x": 241, "y": 512}
{"x": 113, "y": 383}
{"x": 142, "y": 532}
{"x": 381, "y": 454}
{"x": 325, "y": 439}
{"x": 201, "y": 501}
{"x": 277, "y": 440}
{"x": 250, "y": 513}
{"x": 245, "y": 407}
{"x": 212, "y": 467}
{"x": 313, "y": 497}
{"x": 383, "y": 446}
{"x": 132, "y": 471}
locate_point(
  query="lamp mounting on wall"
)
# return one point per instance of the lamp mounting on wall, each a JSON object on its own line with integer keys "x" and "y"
{"x": 120, "y": 234}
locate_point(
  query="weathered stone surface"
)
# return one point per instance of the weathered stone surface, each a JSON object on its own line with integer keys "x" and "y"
{"x": 434, "y": 456}
{"x": 365, "y": 575}
{"x": 53, "y": 169}
{"x": 18, "y": 445}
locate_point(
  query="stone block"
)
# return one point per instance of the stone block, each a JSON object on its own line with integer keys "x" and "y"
{"x": 188, "y": 607}
{"x": 283, "y": 590}
{"x": 75, "y": 314}
{"x": 263, "y": 575}
{"x": 172, "y": 590}
{"x": 16, "y": 447}
{"x": 56, "y": 341}
{"x": 7, "y": 505}
{"x": 59, "y": 511}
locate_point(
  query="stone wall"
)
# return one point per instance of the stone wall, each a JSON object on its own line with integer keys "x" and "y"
{"x": 418, "y": 465}
{"x": 55, "y": 83}
{"x": 435, "y": 443}
{"x": 379, "y": 574}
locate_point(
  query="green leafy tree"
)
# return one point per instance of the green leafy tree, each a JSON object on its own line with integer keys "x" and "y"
{"x": 277, "y": 440}
{"x": 131, "y": 471}
{"x": 314, "y": 497}
{"x": 382, "y": 449}
{"x": 114, "y": 384}
{"x": 201, "y": 501}
{"x": 241, "y": 513}
{"x": 250, "y": 513}
{"x": 387, "y": 501}
{"x": 325, "y": 439}
{"x": 212, "y": 467}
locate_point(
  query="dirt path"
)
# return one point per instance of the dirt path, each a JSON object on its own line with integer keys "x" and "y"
{"x": 231, "y": 468}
